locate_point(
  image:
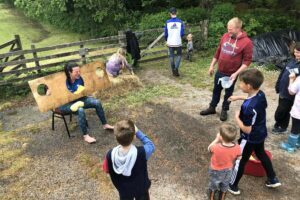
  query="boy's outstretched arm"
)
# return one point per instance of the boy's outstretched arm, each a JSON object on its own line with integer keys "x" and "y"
{"x": 217, "y": 140}
{"x": 148, "y": 144}
{"x": 105, "y": 165}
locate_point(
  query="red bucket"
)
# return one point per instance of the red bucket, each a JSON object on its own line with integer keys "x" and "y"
{"x": 254, "y": 167}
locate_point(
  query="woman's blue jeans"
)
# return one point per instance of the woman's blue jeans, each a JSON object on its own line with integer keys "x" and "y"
{"x": 89, "y": 102}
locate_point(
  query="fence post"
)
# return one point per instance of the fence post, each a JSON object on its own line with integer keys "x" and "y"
{"x": 37, "y": 63}
{"x": 82, "y": 53}
{"x": 121, "y": 35}
{"x": 19, "y": 47}
{"x": 204, "y": 29}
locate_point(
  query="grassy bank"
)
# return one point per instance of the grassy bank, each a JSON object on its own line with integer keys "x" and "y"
{"x": 14, "y": 22}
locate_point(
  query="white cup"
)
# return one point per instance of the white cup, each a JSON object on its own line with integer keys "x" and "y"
{"x": 225, "y": 82}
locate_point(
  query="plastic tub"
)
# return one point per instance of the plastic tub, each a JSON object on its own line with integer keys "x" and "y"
{"x": 254, "y": 167}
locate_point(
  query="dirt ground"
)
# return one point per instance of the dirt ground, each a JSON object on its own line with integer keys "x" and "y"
{"x": 63, "y": 168}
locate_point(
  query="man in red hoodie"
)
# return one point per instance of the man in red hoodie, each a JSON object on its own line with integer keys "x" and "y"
{"x": 233, "y": 55}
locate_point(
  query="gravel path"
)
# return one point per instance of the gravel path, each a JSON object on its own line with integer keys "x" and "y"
{"x": 63, "y": 168}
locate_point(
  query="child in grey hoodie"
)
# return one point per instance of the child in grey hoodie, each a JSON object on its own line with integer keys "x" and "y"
{"x": 127, "y": 163}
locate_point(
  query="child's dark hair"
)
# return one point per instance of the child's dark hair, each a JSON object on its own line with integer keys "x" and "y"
{"x": 68, "y": 68}
{"x": 228, "y": 132}
{"x": 124, "y": 132}
{"x": 294, "y": 45}
{"x": 252, "y": 77}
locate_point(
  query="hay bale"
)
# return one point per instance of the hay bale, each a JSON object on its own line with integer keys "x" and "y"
{"x": 119, "y": 85}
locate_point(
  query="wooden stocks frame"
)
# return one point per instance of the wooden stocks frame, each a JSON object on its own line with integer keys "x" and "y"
{"x": 94, "y": 76}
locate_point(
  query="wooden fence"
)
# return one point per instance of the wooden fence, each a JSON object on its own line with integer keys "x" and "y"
{"x": 31, "y": 63}
{"x": 14, "y": 45}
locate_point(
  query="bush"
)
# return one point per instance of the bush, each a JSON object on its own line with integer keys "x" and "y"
{"x": 193, "y": 15}
{"x": 260, "y": 21}
{"x": 219, "y": 17}
{"x": 150, "y": 21}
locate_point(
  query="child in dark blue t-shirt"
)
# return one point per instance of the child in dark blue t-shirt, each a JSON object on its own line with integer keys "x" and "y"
{"x": 253, "y": 131}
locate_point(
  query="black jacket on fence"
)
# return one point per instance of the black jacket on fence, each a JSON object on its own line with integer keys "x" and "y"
{"x": 133, "y": 45}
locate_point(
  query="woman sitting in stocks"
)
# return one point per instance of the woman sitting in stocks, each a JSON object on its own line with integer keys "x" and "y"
{"x": 75, "y": 84}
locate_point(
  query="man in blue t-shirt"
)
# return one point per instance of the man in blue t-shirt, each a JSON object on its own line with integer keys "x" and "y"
{"x": 253, "y": 131}
{"x": 174, "y": 31}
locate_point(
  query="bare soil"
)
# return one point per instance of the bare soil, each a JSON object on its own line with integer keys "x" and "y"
{"x": 63, "y": 168}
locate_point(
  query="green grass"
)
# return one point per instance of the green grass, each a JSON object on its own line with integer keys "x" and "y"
{"x": 14, "y": 22}
{"x": 194, "y": 73}
{"x": 137, "y": 98}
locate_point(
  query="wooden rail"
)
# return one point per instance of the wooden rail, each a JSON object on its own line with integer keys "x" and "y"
{"x": 44, "y": 60}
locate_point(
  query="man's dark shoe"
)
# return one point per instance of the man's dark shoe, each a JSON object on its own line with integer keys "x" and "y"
{"x": 177, "y": 72}
{"x": 223, "y": 116}
{"x": 173, "y": 72}
{"x": 208, "y": 111}
{"x": 278, "y": 130}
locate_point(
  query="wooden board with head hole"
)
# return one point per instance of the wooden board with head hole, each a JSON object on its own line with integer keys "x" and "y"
{"x": 94, "y": 76}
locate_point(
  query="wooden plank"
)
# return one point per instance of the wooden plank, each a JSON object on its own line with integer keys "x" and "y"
{"x": 7, "y": 44}
{"x": 37, "y": 63}
{"x": 104, "y": 47}
{"x": 152, "y": 44}
{"x": 59, "y": 55}
{"x": 93, "y": 80}
{"x": 17, "y": 67}
{"x": 61, "y": 46}
{"x": 36, "y": 68}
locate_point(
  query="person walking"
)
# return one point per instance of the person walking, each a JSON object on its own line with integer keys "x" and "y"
{"x": 174, "y": 31}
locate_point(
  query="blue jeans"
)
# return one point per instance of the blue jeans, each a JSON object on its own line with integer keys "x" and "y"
{"x": 89, "y": 102}
{"x": 219, "y": 179}
{"x": 217, "y": 92}
{"x": 175, "y": 62}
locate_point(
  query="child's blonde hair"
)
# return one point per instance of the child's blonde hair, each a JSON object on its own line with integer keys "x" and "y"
{"x": 228, "y": 132}
{"x": 121, "y": 52}
{"x": 189, "y": 36}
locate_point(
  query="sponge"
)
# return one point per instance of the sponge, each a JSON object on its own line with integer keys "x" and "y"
{"x": 79, "y": 89}
{"x": 77, "y": 105}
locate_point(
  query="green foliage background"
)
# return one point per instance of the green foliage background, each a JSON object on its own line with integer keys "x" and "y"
{"x": 106, "y": 17}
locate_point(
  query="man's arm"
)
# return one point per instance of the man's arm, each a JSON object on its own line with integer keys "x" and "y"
{"x": 148, "y": 144}
{"x": 211, "y": 67}
{"x": 182, "y": 30}
{"x": 105, "y": 165}
{"x": 247, "y": 59}
{"x": 166, "y": 31}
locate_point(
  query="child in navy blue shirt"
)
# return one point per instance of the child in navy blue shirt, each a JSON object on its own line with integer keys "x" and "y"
{"x": 285, "y": 100}
{"x": 253, "y": 131}
{"x": 127, "y": 163}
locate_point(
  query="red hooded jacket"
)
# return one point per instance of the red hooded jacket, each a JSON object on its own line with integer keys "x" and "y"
{"x": 233, "y": 52}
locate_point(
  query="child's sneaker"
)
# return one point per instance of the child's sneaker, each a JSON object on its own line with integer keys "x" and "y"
{"x": 287, "y": 147}
{"x": 273, "y": 183}
{"x": 234, "y": 190}
{"x": 298, "y": 143}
